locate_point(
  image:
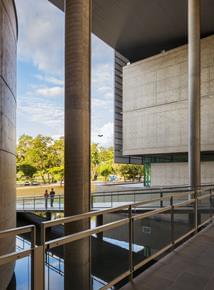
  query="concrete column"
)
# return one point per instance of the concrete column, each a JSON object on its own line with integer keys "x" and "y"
{"x": 8, "y": 45}
{"x": 77, "y": 137}
{"x": 194, "y": 10}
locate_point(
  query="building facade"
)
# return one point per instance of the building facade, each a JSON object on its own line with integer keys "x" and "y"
{"x": 155, "y": 113}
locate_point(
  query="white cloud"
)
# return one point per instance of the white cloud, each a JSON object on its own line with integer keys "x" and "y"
{"x": 41, "y": 35}
{"x": 50, "y": 79}
{"x": 102, "y": 80}
{"x": 107, "y": 135}
{"x": 41, "y": 43}
{"x": 50, "y": 92}
{"x": 47, "y": 115}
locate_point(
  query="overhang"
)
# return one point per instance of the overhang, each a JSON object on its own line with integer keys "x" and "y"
{"x": 141, "y": 28}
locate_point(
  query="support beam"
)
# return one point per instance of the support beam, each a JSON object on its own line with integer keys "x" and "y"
{"x": 194, "y": 72}
{"x": 77, "y": 137}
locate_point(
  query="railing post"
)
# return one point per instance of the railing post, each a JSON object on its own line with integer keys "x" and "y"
{"x": 92, "y": 201}
{"x": 37, "y": 263}
{"x": 111, "y": 200}
{"x": 34, "y": 202}
{"x": 196, "y": 210}
{"x": 131, "y": 267}
{"x": 211, "y": 214}
{"x": 99, "y": 222}
{"x": 172, "y": 221}
{"x": 33, "y": 244}
{"x": 42, "y": 242}
{"x": 23, "y": 203}
{"x": 59, "y": 201}
{"x": 161, "y": 201}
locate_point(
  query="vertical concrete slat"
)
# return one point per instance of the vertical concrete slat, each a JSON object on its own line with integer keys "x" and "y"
{"x": 77, "y": 137}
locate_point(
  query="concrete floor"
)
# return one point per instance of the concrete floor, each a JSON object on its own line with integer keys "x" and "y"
{"x": 189, "y": 267}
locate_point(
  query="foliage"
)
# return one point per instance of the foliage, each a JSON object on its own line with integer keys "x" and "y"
{"x": 42, "y": 158}
{"x": 106, "y": 169}
{"x": 131, "y": 171}
{"x": 40, "y": 153}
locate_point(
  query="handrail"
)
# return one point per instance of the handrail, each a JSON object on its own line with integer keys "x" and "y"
{"x": 38, "y": 252}
{"x": 87, "y": 233}
{"x": 14, "y": 256}
{"x": 90, "y": 214}
{"x": 38, "y": 203}
{"x": 129, "y": 191}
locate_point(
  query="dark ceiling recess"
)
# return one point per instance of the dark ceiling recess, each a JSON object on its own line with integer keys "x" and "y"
{"x": 141, "y": 28}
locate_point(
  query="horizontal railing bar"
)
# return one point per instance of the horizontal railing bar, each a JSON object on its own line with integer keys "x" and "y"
{"x": 129, "y": 191}
{"x": 139, "y": 265}
{"x": 157, "y": 190}
{"x": 85, "y": 234}
{"x": 82, "y": 216}
{"x": 151, "y": 213}
{"x": 16, "y": 231}
{"x": 105, "y": 211}
{"x": 177, "y": 205}
{"x": 116, "y": 280}
{"x": 204, "y": 196}
{"x": 161, "y": 198}
{"x": 144, "y": 262}
{"x": 12, "y": 257}
{"x": 184, "y": 236}
{"x": 205, "y": 222}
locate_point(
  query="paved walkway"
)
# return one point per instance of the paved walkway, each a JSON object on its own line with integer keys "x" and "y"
{"x": 189, "y": 267}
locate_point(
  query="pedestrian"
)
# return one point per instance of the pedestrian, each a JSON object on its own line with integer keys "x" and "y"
{"x": 46, "y": 198}
{"x": 52, "y": 195}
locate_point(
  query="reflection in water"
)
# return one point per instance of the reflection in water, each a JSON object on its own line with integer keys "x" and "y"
{"x": 149, "y": 236}
{"x": 54, "y": 271}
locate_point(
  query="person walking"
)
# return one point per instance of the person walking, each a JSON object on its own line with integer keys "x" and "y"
{"x": 46, "y": 198}
{"x": 52, "y": 195}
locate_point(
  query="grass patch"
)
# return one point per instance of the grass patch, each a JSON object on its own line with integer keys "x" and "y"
{"x": 38, "y": 190}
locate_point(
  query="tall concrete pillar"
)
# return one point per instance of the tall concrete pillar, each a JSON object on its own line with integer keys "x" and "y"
{"x": 194, "y": 23}
{"x": 8, "y": 44}
{"x": 77, "y": 137}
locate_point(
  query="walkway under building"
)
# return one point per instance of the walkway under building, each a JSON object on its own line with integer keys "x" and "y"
{"x": 189, "y": 267}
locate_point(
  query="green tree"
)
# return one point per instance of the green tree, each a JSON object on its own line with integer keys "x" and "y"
{"x": 106, "y": 169}
{"x": 41, "y": 153}
{"x": 27, "y": 170}
{"x": 131, "y": 171}
{"x": 95, "y": 160}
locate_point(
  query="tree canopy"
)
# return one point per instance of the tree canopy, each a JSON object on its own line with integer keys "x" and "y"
{"x": 42, "y": 158}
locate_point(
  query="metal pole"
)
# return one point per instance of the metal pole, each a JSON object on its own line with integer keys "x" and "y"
{"x": 172, "y": 221}
{"x": 161, "y": 201}
{"x": 130, "y": 243}
{"x": 194, "y": 70}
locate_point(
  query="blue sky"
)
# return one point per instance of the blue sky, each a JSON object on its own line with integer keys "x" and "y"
{"x": 40, "y": 73}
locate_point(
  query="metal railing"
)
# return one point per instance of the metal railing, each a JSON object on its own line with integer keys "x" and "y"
{"x": 14, "y": 256}
{"x": 39, "y": 203}
{"x": 192, "y": 200}
{"x": 99, "y": 199}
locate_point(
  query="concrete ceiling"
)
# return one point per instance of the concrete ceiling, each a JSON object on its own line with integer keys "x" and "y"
{"x": 141, "y": 28}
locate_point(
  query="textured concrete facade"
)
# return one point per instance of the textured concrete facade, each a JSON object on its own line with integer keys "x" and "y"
{"x": 177, "y": 173}
{"x": 155, "y": 105}
{"x": 8, "y": 42}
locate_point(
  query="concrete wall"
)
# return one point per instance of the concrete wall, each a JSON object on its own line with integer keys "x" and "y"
{"x": 8, "y": 39}
{"x": 155, "y": 102}
{"x": 177, "y": 173}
